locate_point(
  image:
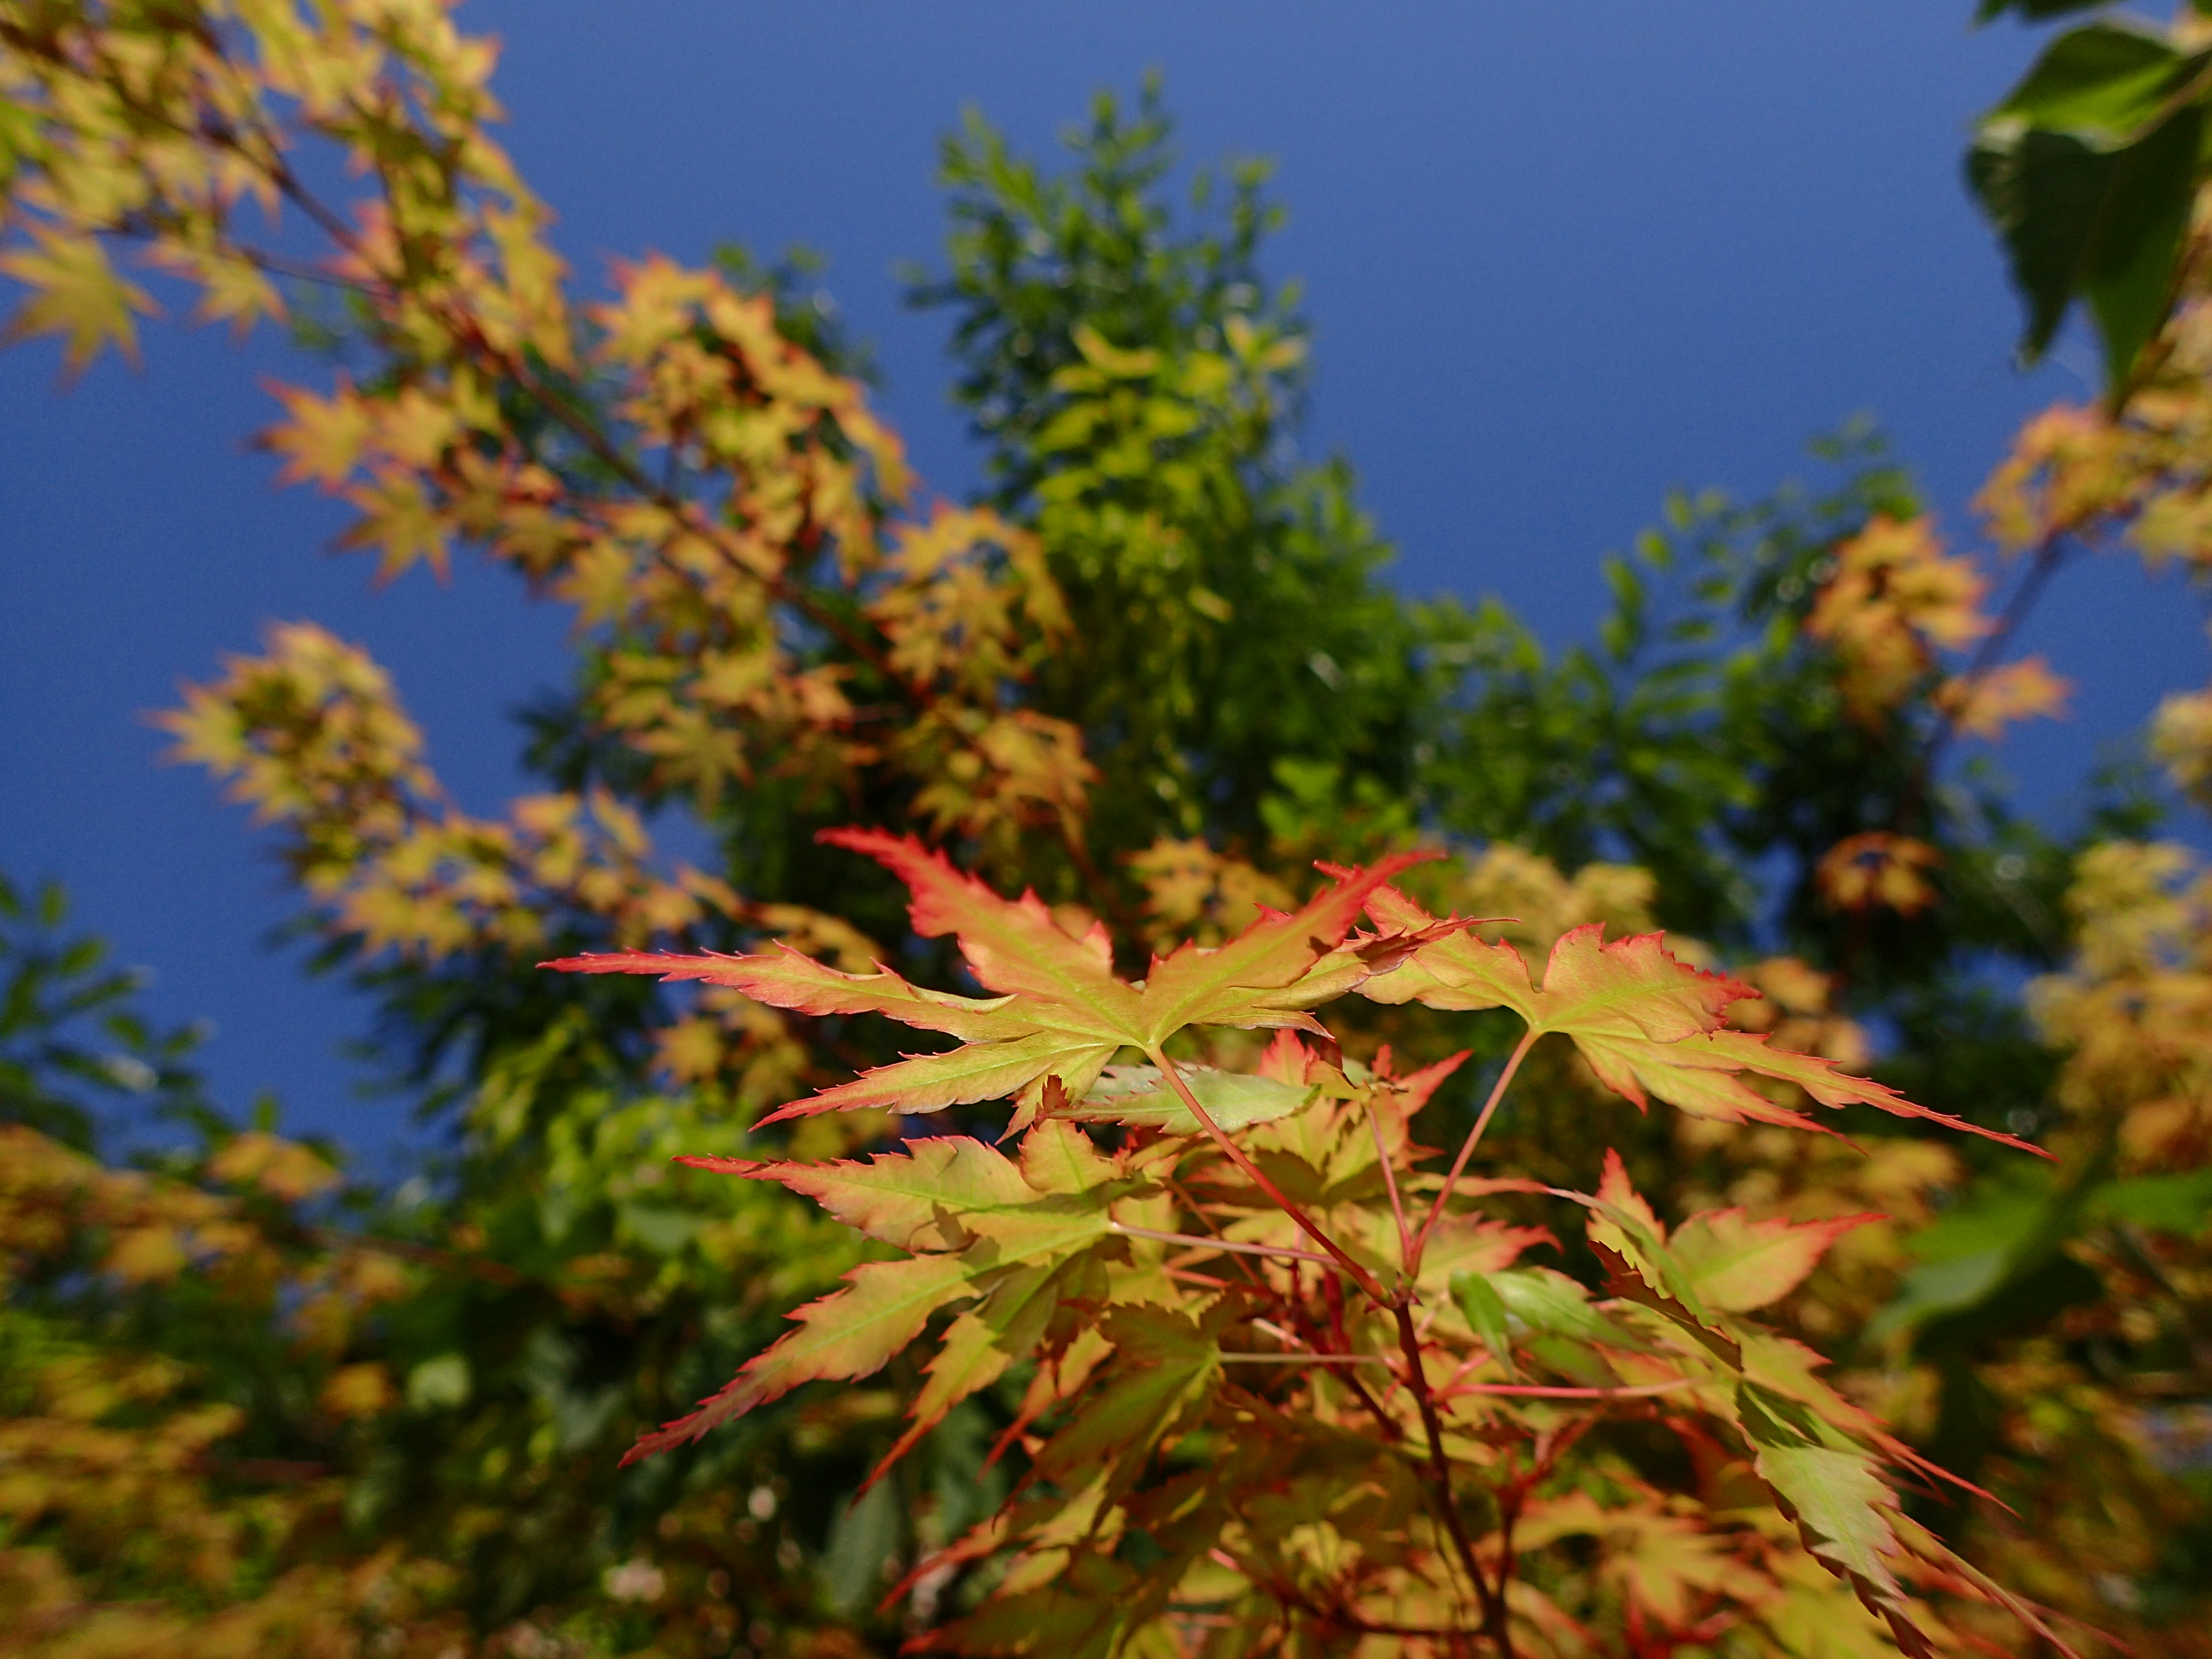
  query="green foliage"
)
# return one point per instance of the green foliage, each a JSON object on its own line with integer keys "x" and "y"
{"x": 2089, "y": 170}
{"x": 1135, "y": 383}
{"x": 75, "y": 1050}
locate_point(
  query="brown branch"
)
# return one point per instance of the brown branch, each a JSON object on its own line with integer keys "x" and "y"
{"x": 1439, "y": 1483}
{"x": 1393, "y": 1431}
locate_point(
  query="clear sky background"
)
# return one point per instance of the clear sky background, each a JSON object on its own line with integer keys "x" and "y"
{"x": 1561, "y": 258}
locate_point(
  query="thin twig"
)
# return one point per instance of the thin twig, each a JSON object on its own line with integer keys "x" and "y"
{"x": 2049, "y": 554}
{"x": 1390, "y": 1184}
{"x": 1474, "y": 1136}
{"x": 1545, "y": 1391}
{"x": 1198, "y": 1243}
{"x": 1304, "y": 1360}
{"x": 1393, "y": 1431}
{"x": 1359, "y": 1275}
{"x": 1439, "y": 1480}
{"x": 1185, "y": 1276}
{"x": 1193, "y": 1208}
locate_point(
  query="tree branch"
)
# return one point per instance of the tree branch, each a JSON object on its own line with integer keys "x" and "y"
{"x": 1439, "y": 1483}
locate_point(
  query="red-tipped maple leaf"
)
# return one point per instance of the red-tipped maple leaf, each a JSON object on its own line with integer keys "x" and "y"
{"x": 1061, "y": 1012}
{"x": 981, "y": 1228}
{"x": 1648, "y": 1023}
{"x": 1738, "y": 1264}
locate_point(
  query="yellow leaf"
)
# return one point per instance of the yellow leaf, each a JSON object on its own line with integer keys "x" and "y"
{"x": 358, "y": 1391}
{"x": 1984, "y": 706}
{"x": 76, "y": 294}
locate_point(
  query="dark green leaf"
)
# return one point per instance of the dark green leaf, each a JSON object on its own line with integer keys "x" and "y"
{"x": 2089, "y": 170}
{"x": 2106, "y": 80}
{"x": 2168, "y": 1203}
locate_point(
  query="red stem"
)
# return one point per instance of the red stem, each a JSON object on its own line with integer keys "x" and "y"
{"x": 1359, "y": 1275}
{"x": 1459, "y": 1164}
{"x": 1196, "y": 1243}
{"x": 1406, "y": 1262}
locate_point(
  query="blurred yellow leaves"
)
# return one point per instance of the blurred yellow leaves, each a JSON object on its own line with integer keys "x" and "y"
{"x": 130, "y": 1522}
{"x": 312, "y": 736}
{"x": 76, "y": 294}
{"x": 1875, "y": 870}
{"x": 1983, "y": 705}
{"x": 1896, "y": 600}
{"x": 2135, "y": 1006}
{"x": 2181, "y": 739}
{"x": 665, "y": 460}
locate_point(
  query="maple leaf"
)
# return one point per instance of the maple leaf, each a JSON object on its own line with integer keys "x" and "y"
{"x": 322, "y": 439}
{"x": 1981, "y": 706}
{"x": 1738, "y": 1264}
{"x": 1631, "y": 989}
{"x": 1547, "y": 1302}
{"x": 1877, "y": 870}
{"x": 1659, "y": 1558}
{"x": 76, "y": 294}
{"x": 1819, "y": 1454}
{"x": 1141, "y": 1094}
{"x": 1061, "y": 1012}
{"x": 981, "y": 1227}
{"x": 1485, "y": 1311}
{"x": 848, "y": 1333}
{"x": 1164, "y": 1364}
{"x": 1842, "y": 1507}
{"x": 1630, "y": 1240}
{"x": 1648, "y": 1023}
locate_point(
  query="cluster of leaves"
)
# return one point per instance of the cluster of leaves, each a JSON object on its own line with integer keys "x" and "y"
{"x": 1294, "y": 1508}
{"x": 1149, "y": 681}
{"x": 1133, "y": 389}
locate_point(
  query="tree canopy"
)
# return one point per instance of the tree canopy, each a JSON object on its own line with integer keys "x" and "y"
{"x": 1135, "y": 1312}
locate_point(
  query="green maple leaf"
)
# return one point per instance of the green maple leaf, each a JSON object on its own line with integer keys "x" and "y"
{"x": 1082, "y": 1613}
{"x": 848, "y": 1333}
{"x": 1164, "y": 1366}
{"x": 1141, "y": 1094}
{"x": 1842, "y": 1507}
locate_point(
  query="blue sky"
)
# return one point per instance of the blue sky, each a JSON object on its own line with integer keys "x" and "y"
{"x": 1561, "y": 258}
